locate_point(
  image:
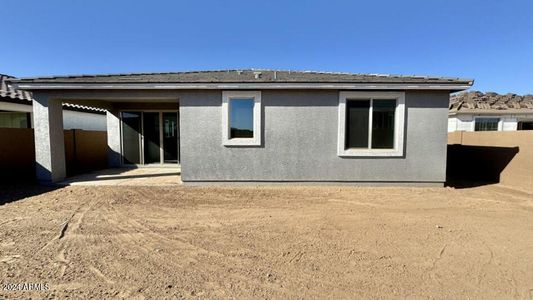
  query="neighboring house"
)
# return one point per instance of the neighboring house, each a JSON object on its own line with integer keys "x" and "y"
{"x": 258, "y": 125}
{"x": 16, "y": 111}
{"x": 476, "y": 111}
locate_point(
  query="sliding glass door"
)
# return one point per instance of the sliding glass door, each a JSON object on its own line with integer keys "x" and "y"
{"x": 170, "y": 137}
{"x": 150, "y": 137}
{"x": 152, "y": 144}
{"x": 131, "y": 138}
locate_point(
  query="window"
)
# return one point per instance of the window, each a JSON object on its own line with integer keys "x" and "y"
{"x": 486, "y": 124}
{"x": 383, "y": 123}
{"x": 525, "y": 125}
{"x": 15, "y": 120}
{"x": 241, "y": 118}
{"x": 357, "y": 124}
{"x": 371, "y": 123}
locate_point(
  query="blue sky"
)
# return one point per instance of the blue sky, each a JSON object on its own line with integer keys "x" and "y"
{"x": 490, "y": 41}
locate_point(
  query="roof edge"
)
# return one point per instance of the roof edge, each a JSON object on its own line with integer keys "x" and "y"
{"x": 514, "y": 111}
{"x": 68, "y": 76}
{"x": 450, "y": 86}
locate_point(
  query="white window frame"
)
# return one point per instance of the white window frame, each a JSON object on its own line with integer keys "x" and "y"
{"x": 226, "y": 97}
{"x": 399, "y": 124}
{"x": 500, "y": 121}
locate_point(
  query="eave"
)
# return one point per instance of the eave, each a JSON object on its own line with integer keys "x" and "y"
{"x": 491, "y": 112}
{"x": 238, "y": 86}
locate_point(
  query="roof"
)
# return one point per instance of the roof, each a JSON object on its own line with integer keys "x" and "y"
{"x": 10, "y": 94}
{"x": 252, "y": 76}
{"x": 7, "y": 91}
{"x": 478, "y": 102}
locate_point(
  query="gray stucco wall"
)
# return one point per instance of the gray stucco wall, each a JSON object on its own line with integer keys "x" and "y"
{"x": 300, "y": 141}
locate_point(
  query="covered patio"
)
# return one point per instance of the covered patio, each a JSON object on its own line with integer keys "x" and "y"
{"x": 141, "y": 141}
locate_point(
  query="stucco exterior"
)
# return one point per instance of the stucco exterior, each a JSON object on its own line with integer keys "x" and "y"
{"x": 300, "y": 124}
{"x": 300, "y": 141}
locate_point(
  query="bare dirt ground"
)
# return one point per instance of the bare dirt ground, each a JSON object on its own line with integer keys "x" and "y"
{"x": 268, "y": 242}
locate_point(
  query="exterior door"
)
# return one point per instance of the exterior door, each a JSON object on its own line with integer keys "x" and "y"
{"x": 170, "y": 137}
{"x": 150, "y": 137}
{"x": 131, "y": 137}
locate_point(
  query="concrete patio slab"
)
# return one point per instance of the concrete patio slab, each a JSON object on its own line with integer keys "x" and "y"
{"x": 151, "y": 176}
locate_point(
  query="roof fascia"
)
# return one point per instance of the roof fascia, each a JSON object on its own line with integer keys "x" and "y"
{"x": 492, "y": 112}
{"x": 236, "y": 86}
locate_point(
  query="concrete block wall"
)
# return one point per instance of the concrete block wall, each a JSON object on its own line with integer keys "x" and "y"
{"x": 518, "y": 172}
{"x": 84, "y": 151}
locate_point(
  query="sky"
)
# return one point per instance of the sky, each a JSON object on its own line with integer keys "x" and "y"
{"x": 490, "y": 41}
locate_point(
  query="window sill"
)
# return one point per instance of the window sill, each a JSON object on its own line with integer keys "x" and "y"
{"x": 370, "y": 153}
{"x": 242, "y": 142}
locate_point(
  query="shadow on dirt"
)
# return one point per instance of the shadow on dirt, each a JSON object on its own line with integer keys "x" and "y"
{"x": 14, "y": 190}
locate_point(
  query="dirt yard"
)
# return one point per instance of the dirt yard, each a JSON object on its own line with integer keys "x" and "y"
{"x": 267, "y": 242}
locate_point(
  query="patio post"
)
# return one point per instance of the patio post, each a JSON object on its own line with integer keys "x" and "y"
{"x": 113, "y": 138}
{"x": 49, "y": 138}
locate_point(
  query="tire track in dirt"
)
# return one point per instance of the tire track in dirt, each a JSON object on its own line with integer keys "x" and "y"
{"x": 66, "y": 234}
{"x": 154, "y": 236}
{"x": 482, "y": 272}
{"x": 127, "y": 223}
{"x": 65, "y": 225}
{"x": 231, "y": 243}
{"x": 432, "y": 273}
{"x": 132, "y": 238}
{"x": 60, "y": 258}
{"x": 101, "y": 275}
{"x": 109, "y": 273}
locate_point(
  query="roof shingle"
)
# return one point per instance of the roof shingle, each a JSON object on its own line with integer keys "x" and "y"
{"x": 478, "y": 101}
{"x": 10, "y": 94}
{"x": 7, "y": 91}
{"x": 244, "y": 76}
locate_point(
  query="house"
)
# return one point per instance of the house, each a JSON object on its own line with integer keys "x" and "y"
{"x": 16, "y": 111}
{"x": 258, "y": 125}
{"x": 476, "y": 111}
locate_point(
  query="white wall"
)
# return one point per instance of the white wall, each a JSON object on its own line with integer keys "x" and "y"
{"x": 452, "y": 124}
{"x": 83, "y": 120}
{"x": 460, "y": 123}
{"x": 509, "y": 123}
{"x": 465, "y": 122}
{"x": 8, "y": 106}
{"x": 71, "y": 119}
